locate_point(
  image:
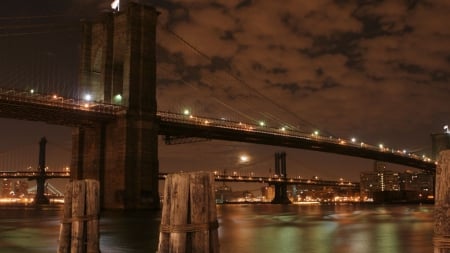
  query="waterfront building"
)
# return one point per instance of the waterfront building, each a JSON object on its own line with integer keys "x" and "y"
{"x": 10, "y": 188}
{"x": 382, "y": 185}
{"x": 268, "y": 192}
{"x": 6, "y": 188}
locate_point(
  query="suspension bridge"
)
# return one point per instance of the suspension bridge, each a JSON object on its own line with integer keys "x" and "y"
{"x": 116, "y": 120}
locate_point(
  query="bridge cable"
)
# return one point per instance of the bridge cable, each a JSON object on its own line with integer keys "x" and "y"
{"x": 215, "y": 98}
{"x": 239, "y": 79}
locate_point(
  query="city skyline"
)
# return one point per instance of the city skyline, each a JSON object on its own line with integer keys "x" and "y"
{"x": 376, "y": 71}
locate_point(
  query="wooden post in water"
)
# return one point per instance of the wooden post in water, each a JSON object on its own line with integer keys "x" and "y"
{"x": 79, "y": 226}
{"x": 189, "y": 219}
{"x": 441, "y": 238}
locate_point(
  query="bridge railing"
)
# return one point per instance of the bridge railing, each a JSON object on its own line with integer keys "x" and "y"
{"x": 282, "y": 131}
{"x": 31, "y": 174}
{"x": 57, "y": 101}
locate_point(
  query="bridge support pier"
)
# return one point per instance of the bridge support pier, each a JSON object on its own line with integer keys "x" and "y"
{"x": 281, "y": 196}
{"x": 118, "y": 66}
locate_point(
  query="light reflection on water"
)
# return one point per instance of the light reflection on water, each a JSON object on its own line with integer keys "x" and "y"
{"x": 243, "y": 228}
{"x": 324, "y": 229}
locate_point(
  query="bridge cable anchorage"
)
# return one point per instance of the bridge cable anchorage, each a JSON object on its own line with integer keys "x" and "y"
{"x": 229, "y": 72}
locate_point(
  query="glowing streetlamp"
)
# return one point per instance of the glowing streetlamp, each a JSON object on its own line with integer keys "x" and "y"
{"x": 118, "y": 99}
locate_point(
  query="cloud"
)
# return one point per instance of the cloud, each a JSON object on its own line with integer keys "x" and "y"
{"x": 339, "y": 64}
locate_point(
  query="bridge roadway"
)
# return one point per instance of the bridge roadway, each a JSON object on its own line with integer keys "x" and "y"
{"x": 218, "y": 178}
{"x": 172, "y": 124}
{"x": 53, "y": 109}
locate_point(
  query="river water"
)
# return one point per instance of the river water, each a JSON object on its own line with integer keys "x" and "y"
{"x": 261, "y": 228}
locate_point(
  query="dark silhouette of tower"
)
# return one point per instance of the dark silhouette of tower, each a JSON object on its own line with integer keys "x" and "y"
{"x": 40, "y": 197}
{"x": 281, "y": 196}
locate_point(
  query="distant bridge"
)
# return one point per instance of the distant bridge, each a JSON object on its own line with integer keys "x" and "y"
{"x": 217, "y": 177}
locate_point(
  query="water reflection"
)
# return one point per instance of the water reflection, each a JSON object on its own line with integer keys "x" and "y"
{"x": 390, "y": 229}
{"x": 243, "y": 228}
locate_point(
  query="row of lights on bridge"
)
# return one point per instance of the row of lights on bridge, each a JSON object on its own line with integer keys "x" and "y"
{"x": 117, "y": 99}
{"x": 353, "y": 140}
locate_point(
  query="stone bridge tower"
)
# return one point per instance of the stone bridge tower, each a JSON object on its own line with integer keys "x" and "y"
{"x": 118, "y": 66}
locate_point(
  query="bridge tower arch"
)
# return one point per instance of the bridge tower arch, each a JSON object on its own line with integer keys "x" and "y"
{"x": 118, "y": 66}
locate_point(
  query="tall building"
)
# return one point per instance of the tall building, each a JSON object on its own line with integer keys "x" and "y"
{"x": 11, "y": 188}
{"x": 378, "y": 180}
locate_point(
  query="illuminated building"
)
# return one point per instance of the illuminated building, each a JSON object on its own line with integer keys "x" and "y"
{"x": 382, "y": 185}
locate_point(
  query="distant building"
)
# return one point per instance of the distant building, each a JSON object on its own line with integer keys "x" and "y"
{"x": 11, "y": 188}
{"x": 268, "y": 192}
{"x": 21, "y": 188}
{"x": 6, "y": 188}
{"x": 382, "y": 185}
{"x": 379, "y": 180}
{"x": 223, "y": 193}
{"x": 420, "y": 183}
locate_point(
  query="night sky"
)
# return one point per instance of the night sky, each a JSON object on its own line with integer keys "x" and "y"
{"x": 378, "y": 71}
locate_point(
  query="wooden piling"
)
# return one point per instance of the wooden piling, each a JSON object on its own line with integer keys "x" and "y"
{"x": 79, "y": 226}
{"x": 189, "y": 220}
{"x": 65, "y": 228}
{"x": 441, "y": 238}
